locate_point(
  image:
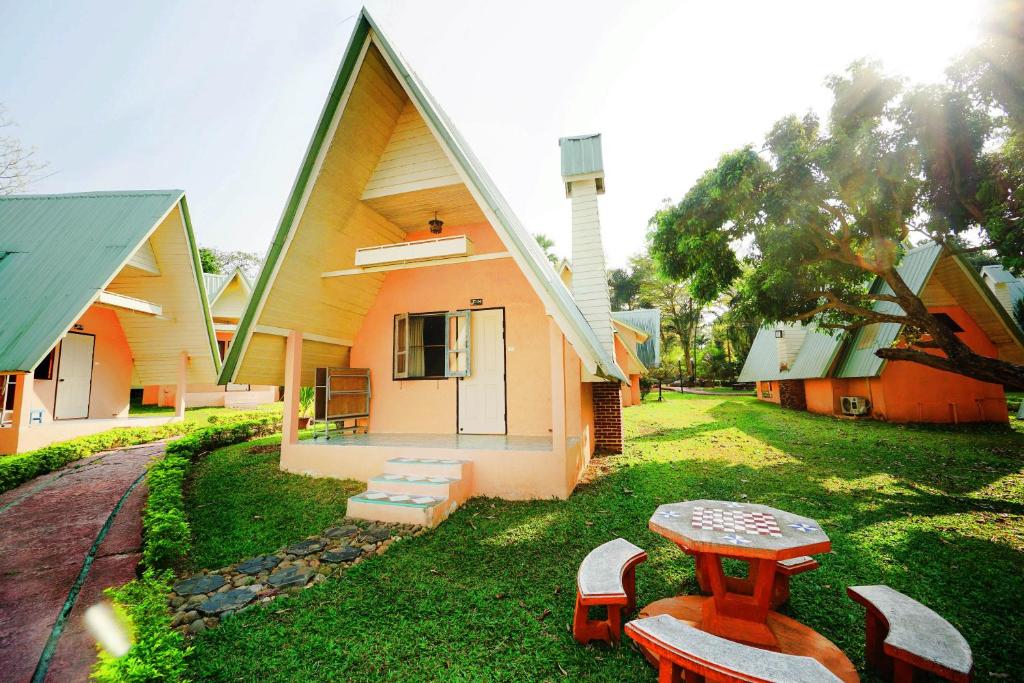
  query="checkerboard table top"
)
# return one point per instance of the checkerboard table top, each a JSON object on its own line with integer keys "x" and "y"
{"x": 746, "y": 529}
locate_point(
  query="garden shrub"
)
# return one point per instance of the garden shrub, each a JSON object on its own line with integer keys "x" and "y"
{"x": 165, "y": 531}
{"x": 157, "y": 653}
{"x": 17, "y": 469}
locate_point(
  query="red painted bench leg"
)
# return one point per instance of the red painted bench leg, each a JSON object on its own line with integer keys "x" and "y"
{"x": 902, "y": 671}
{"x": 874, "y": 634}
{"x": 780, "y": 591}
{"x": 585, "y": 629}
{"x": 669, "y": 672}
{"x": 629, "y": 583}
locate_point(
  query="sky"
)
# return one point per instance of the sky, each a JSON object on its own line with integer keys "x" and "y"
{"x": 220, "y": 98}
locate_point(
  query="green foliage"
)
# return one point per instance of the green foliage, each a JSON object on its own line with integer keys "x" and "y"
{"x": 165, "y": 529}
{"x": 1018, "y": 312}
{"x": 158, "y": 653}
{"x": 931, "y": 511}
{"x": 307, "y": 396}
{"x": 17, "y": 469}
{"x": 210, "y": 262}
{"x": 546, "y": 245}
{"x": 624, "y": 288}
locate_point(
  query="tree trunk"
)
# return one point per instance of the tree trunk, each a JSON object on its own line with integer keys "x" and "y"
{"x": 968, "y": 364}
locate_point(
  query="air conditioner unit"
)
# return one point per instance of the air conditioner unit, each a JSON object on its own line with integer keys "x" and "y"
{"x": 855, "y": 405}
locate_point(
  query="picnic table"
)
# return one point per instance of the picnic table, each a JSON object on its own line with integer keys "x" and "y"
{"x": 740, "y": 608}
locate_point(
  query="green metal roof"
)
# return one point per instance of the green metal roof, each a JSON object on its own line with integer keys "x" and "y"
{"x": 581, "y": 155}
{"x": 578, "y": 330}
{"x": 814, "y": 359}
{"x": 860, "y": 359}
{"x": 648, "y": 320}
{"x": 819, "y": 349}
{"x": 61, "y": 251}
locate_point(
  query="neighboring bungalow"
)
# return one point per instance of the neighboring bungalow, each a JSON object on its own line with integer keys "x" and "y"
{"x": 401, "y": 284}
{"x": 637, "y": 336}
{"x": 799, "y": 367}
{"x": 99, "y": 292}
{"x": 637, "y": 347}
{"x": 228, "y": 294}
{"x": 1007, "y": 288}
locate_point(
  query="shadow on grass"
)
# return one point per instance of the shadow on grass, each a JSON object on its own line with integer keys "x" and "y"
{"x": 489, "y": 594}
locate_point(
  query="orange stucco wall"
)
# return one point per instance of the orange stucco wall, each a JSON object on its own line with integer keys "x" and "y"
{"x": 910, "y": 392}
{"x": 429, "y": 406}
{"x": 634, "y": 389}
{"x": 769, "y": 388}
{"x": 915, "y": 393}
{"x": 622, "y": 359}
{"x": 111, "y": 369}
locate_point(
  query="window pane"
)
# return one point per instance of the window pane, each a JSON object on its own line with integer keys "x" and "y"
{"x": 400, "y": 364}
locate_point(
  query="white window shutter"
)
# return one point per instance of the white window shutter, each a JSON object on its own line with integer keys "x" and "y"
{"x": 457, "y": 344}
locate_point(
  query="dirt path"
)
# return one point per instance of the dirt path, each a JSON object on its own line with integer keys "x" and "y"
{"x": 65, "y": 537}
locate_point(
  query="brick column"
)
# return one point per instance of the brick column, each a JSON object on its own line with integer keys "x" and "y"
{"x": 792, "y": 394}
{"x": 607, "y": 417}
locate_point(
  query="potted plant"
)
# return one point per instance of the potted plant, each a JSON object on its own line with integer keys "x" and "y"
{"x": 306, "y": 398}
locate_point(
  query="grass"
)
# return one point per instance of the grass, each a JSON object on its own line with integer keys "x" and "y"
{"x": 240, "y": 504}
{"x": 935, "y": 512}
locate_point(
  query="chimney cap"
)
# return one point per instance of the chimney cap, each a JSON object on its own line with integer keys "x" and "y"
{"x": 581, "y": 156}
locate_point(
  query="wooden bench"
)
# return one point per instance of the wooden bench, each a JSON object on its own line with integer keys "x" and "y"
{"x": 903, "y": 635}
{"x": 780, "y": 590}
{"x": 607, "y": 577}
{"x": 706, "y": 657}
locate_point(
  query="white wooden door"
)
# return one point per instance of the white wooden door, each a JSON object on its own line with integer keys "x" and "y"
{"x": 482, "y": 394}
{"x": 74, "y": 378}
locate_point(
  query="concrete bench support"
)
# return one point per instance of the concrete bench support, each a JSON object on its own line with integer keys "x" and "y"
{"x": 705, "y": 657}
{"x": 606, "y": 578}
{"x": 902, "y": 635}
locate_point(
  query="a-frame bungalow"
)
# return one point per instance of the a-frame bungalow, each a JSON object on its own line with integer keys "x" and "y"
{"x": 228, "y": 295}
{"x": 401, "y": 285}
{"x": 802, "y": 368}
{"x": 99, "y": 292}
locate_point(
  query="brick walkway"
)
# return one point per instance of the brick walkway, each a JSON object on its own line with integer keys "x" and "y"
{"x": 49, "y": 526}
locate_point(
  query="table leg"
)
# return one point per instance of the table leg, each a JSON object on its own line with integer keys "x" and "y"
{"x": 735, "y": 615}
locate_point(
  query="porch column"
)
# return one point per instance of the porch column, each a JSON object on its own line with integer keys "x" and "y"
{"x": 182, "y": 387}
{"x": 557, "y": 387}
{"x": 292, "y": 382}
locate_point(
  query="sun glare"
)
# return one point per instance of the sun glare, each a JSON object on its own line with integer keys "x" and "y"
{"x": 920, "y": 40}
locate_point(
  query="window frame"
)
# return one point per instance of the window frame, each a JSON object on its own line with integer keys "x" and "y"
{"x": 400, "y": 345}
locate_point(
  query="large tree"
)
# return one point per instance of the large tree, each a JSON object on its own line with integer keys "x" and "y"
{"x": 681, "y": 312}
{"x": 819, "y": 211}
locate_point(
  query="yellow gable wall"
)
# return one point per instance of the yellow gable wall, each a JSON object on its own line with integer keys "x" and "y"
{"x": 230, "y": 305}
{"x": 157, "y": 341}
{"x": 334, "y": 223}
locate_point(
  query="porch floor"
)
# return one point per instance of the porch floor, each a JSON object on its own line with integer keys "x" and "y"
{"x": 479, "y": 442}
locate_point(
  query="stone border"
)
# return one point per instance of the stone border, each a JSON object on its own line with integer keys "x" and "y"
{"x": 204, "y": 600}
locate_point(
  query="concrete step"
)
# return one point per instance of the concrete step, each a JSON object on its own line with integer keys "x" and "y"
{"x": 417, "y": 484}
{"x": 430, "y": 467}
{"x": 401, "y": 508}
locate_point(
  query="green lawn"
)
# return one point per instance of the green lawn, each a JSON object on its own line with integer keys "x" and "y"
{"x": 241, "y": 504}
{"x": 937, "y": 513}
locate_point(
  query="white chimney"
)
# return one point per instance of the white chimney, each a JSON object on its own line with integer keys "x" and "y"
{"x": 583, "y": 173}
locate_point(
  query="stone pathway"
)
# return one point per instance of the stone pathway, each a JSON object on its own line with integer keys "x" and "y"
{"x": 50, "y": 524}
{"x": 204, "y": 600}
